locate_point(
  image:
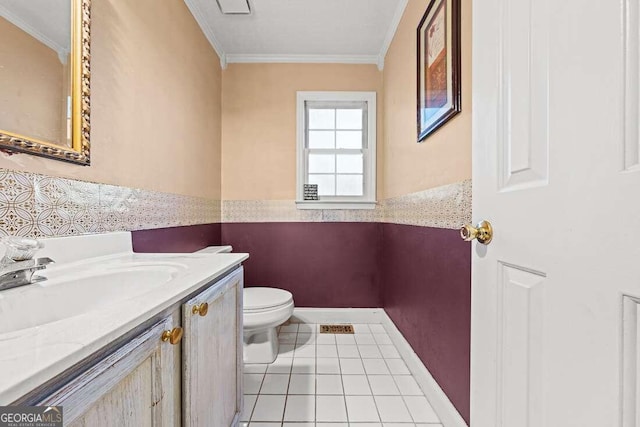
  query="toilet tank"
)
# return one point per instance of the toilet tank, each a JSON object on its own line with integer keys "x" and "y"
{"x": 215, "y": 250}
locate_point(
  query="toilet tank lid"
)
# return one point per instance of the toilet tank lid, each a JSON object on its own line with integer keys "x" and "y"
{"x": 262, "y": 298}
{"x": 215, "y": 250}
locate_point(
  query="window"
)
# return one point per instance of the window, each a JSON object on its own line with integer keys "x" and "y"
{"x": 337, "y": 149}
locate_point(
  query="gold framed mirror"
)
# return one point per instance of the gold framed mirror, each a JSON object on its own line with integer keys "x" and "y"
{"x": 45, "y": 78}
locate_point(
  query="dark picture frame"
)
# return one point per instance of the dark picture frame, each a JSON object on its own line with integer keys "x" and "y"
{"x": 439, "y": 86}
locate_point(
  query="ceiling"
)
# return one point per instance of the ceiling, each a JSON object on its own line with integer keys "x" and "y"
{"x": 339, "y": 31}
{"x": 49, "y": 21}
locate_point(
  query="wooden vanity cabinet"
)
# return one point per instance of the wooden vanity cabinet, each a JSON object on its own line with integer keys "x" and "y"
{"x": 158, "y": 378}
{"x": 137, "y": 385}
{"x": 212, "y": 355}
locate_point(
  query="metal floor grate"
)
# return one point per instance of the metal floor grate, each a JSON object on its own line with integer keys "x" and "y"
{"x": 336, "y": 329}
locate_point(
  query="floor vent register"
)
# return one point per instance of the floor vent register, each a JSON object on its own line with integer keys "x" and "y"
{"x": 336, "y": 329}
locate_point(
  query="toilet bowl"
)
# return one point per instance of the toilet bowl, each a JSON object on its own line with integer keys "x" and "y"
{"x": 264, "y": 310}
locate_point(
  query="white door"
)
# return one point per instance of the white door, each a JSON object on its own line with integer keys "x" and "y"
{"x": 557, "y": 173}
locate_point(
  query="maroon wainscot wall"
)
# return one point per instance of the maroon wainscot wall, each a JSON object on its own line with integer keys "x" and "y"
{"x": 322, "y": 264}
{"x": 176, "y": 239}
{"x": 427, "y": 294}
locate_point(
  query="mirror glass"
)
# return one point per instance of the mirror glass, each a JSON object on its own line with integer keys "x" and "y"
{"x": 37, "y": 77}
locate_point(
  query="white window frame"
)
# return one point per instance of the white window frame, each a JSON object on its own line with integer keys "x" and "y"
{"x": 368, "y": 200}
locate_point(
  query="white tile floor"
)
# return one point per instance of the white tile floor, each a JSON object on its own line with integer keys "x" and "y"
{"x": 326, "y": 380}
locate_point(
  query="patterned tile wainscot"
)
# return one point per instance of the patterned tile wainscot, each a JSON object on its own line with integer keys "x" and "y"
{"x": 448, "y": 206}
{"x": 34, "y": 205}
{"x": 286, "y": 211}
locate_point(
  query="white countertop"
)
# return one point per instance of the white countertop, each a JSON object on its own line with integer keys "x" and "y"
{"x": 30, "y": 357}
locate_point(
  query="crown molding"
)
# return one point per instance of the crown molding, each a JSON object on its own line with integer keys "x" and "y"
{"x": 391, "y": 32}
{"x": 200, "y": 18}
{"x": 196, "y": 11}
{"x": 302, "y": 59}
{"x": 10, "y": 16}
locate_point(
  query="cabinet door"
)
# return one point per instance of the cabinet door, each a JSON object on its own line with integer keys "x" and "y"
{"x": 136, "y": 386}
{"x": 212, "y": 355}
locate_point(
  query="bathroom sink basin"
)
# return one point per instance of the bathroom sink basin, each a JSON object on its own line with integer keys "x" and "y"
{"x": 69, "y": 294}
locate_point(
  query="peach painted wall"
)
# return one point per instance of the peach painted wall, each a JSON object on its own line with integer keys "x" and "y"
{"x": 156, "y": 85}
{"x": 444, "y": 157}
{"x": 31, "y": 85}
{"x": 259, "y": 122}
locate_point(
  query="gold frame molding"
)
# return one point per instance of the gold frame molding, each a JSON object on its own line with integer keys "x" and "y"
{"x": 80, "y": 151}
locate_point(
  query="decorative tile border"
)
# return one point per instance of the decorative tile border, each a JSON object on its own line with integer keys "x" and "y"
{"x": 286, "y": 211}
{"x": 448, "y": 206}
{"x": 266, "y": 211}
{"x": 33, "y": 205}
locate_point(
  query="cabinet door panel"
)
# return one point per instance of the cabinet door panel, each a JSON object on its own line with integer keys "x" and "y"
{"x": 134, "y": 386}
{"x": 212, "y": 355}
{"x": 113, "y": 410}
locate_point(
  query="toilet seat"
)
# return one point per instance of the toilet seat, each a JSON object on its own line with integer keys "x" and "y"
{"x": 258, "y": 299}
{"x": 265, "y": 308}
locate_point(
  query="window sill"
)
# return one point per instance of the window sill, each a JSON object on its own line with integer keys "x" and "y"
{"x": 325, "y": 205}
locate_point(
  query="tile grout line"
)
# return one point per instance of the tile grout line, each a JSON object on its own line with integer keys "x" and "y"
{"x": 286, "y": 396}
{"x": 316, "y": 328}
{"x": 264, "y": 375}
{"x": 401, "y": 396}
{"x": 393, "y": 378}
{"x": 344, "y": 397}
{"x": 386, "y": 361}
{"x": 253, "y": 407}
{"x": 373, "y": 397}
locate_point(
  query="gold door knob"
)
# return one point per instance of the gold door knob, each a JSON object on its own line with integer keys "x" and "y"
{"x": 201, "y": 309}
{"x": 173, "y": 336}
{"x": 483, "y": 232}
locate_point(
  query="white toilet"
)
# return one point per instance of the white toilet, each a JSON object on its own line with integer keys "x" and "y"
{"x": 264, "y": 309}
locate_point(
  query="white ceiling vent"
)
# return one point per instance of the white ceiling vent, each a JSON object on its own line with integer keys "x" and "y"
{"x": 234, "y": 7}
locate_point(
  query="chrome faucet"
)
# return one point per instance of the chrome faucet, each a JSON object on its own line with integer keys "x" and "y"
{"x": 18, "y": 265}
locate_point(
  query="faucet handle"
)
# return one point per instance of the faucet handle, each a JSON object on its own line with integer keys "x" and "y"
{"x": 20, "y": 248}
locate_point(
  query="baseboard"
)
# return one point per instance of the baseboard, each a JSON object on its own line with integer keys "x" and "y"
{"x": 448, "y": 414}
{"x": 338, "y": 315}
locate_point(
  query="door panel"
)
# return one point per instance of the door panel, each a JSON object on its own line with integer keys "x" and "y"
{"x": 555, "y": 171}
{"x": 127, "y": 404}
{"x": 520, "y": 346}
{"x": 524, "y": 107}
{"x": 631, "y": 363}
{"x": 212, "y": 355}
{"x": 632, "y": 85}
{"x": 133, "y": 387}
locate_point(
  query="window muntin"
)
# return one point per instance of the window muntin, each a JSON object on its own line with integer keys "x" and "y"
{"x": 337, "y": 149}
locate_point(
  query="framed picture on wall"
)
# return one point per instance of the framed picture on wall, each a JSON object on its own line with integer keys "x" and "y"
{"x": 438, "y": 66}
